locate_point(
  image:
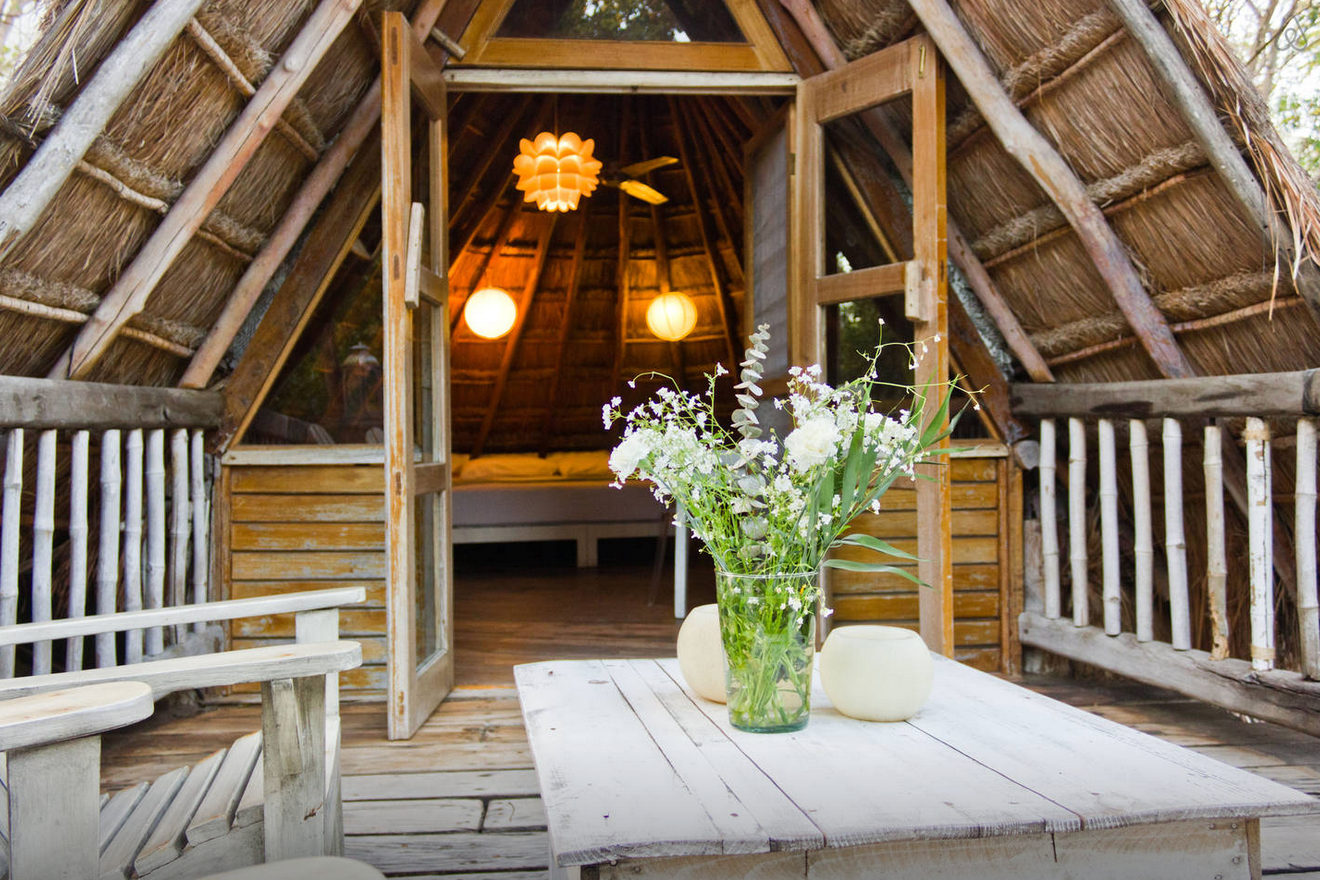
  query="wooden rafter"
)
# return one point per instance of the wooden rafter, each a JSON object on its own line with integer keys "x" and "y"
{"x": 28, "y": 194}
{"x": 825, "y": 52}
{"x": 1049, "y": 169}
{"x": 528, "y": 296}
{"x": 496, "y": 149}
{"x": 707, "y": 168}
{"x": 360, "y": 125}
{"x": 506, "y": 220}
{"x": 723, "y": 299}
{"x": 565, "y": 326}
{"x": 660, "y": 246}
{"x": 135, "y": 285}
{"x": 625, "y": 254}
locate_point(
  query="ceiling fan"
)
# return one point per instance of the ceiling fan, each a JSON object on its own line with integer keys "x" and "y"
{"x": 625, "y": 178}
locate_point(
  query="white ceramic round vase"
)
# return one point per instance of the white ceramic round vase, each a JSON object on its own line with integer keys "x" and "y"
{"x": 701, "y": 653}
{"x": 876, "y": 673}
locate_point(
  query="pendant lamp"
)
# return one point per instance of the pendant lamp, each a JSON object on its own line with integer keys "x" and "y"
{"x": 671, "y": 316}
{"x": 555, "y": 172}
{"x": 490, "y": 312}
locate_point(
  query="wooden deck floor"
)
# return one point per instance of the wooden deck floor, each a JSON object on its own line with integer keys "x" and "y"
{"x": 460, "y": 800}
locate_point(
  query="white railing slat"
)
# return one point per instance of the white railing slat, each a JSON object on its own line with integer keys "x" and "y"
{"x": 1081, "y": 611}
{"x": 79, "y": 455}
{"x": 1260, "y": 540}
{"x": 180, "y": 526}
{"x": 9, "y": 544}
{"x": 133, "y": 540}
{"x": 155, "y": 592}
{"x": 1143, "y": 544}
{"x": 1308, "y": 612}
{"x": 107, "y": 560}
{"x": 1216, "y": 572}
{"x": 1113, "y": 598}
{"x": 43, "y": 545}
{"x": 1049, "y": 524}
{"x": 1175, "y": 537}
{"x": 201, "y": 514}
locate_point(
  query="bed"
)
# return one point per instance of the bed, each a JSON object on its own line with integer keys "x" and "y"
{"x": 564, "y": 496}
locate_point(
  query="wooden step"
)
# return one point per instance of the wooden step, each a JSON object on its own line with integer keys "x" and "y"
{"x": 117, "y": 858}
{"x": 215, "y": 815}
{"x": 171, "y": 834}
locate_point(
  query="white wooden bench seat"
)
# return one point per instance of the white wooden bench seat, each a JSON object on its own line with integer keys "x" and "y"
{"x": 273, "y": 794}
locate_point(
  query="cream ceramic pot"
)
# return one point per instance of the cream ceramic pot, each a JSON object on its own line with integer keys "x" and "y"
{"x": 876, "y": 673}
{"x": 701, "y": 653}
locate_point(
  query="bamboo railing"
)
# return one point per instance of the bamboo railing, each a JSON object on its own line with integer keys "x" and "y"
{"x": 1252, "y": 684}
{"x": 151, "y": 509}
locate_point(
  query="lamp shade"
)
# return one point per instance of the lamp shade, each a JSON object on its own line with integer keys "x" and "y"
{"x": 555, "y": 172}
{"x": 490, "y": 312}
{"x": 671, "y": 316}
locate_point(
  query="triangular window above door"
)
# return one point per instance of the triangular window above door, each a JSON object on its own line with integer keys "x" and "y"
{"x": 623, "y": 35}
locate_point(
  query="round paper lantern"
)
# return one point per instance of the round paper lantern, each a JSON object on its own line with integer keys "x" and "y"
{"x": 701, "y": 653}
{"x": 671, "y": 316}
{"x": 555, "y": 172}
{"x": 876, "y": 673}
{"x": 490, "y": 312}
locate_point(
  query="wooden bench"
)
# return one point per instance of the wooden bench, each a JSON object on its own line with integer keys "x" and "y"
{"x": 641, "y": 778}
{"x": 273, "y": 794}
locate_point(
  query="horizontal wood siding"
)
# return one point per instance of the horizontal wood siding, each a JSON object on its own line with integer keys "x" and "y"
{"x": 980, "y": 561}
{"x": 309, "y": 527}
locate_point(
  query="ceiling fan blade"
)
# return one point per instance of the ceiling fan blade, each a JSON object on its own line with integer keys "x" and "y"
{"x": 639, "y": 190}
{"x": 639, "y": 168}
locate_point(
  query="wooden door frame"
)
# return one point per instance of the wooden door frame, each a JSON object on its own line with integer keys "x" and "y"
{"x": 408, "y": 72}
{"x": 911, "y": 67}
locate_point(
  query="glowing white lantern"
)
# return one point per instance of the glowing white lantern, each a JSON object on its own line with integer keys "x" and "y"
{"x": 490, "y": 312}
{"x": 555, "y": 172}
{"x": 671, "y": 316}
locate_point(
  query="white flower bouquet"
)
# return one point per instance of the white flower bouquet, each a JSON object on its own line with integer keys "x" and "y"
{"x": 768, "y": 512}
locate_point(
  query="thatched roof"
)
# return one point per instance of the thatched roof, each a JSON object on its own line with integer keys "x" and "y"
{"x": 1074, "y": 71}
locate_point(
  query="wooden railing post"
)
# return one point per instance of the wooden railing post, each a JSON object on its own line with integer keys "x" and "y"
{"x": 1049, "y": 524}
{"x": 79, "y": 455}
{"x": 1113, "y": 601}
{"x": 155, "y": 593}
{"x": 1081, "y": 612}
{"x": 1304, "y": 536}
{"x": 133, "y": 452}
{"x": 43, "y": 537}
{"x": 107, "y": 559}
{"x": 1175, "y": 537}
{"x": 1143, "y": 549}
{"x": 1216, "y": 573}
{"x": 180, "y": 526}
{"x": 9, "y": 544}
{"x": 1260, "y": 539}
{"x": 293, "y": 766}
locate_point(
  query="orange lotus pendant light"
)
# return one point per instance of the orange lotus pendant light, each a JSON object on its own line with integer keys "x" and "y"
{"x": 555, "y": 172}
{"x": 671, "y": 316}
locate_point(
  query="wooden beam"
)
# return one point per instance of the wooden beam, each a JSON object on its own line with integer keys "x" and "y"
{"x": 870, "y": 80}
{"x": 50, "y": 403}
{"x": 530, "y": 287}
{"x": 426, "y": 77}
{"x": 660, "y": 246}
{"x": 1282, "y": 697}
{"x": 506, "y": 220}
{"x": 865, "y": 283}
{"x": 134, "y": 286}
{"x": 1264, "y": 395}
{"x": 565, "y": 325}
{"x": 1040, "y": 159}
{"x": 360, "y": 125}
{"x": 715, "y": 262}
{"x": 815, "y": 36}
{"x": 628, "y": 82}
{"x": 497, "y": 148}
{"x": 705, "y": 171}
{"x": 625, "y": 253}
{"x": 1200, "y": 115}
{"x": 28, "y": 194}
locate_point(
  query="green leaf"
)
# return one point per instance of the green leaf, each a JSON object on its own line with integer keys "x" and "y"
{"x": 850, "y": 471}
{"x": 874, "y": 568}
{"x": 870, "y": 542}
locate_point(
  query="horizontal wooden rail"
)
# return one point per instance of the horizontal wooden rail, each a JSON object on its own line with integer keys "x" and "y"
{"x": 72, "y": 713}
{"x": 865, "y": 283}
{"x": 55, "y": 403}
{"x": 1254, "y": 394}
{"x": 205, "y": 612}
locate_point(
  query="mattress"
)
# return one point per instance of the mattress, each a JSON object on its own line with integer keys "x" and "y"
{"x": 552, "y": 502}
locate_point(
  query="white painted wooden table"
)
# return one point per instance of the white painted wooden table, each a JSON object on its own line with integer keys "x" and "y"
{"x": 641, "y": 778}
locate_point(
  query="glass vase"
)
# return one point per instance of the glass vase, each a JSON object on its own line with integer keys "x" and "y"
{"x": 768, "y": 627}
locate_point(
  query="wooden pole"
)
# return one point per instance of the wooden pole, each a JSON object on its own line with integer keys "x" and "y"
{"x": 1259, "y": 538}
{"x": 201, "y": 517}
{"x": 179, "y": 523}
{"x": 27, "y": 196}
{"x": 1113, "y": 601}
{"x": 1190, "y": 99}
{"x": 43, "y": 538}
{"x": 133, "y": 540}
{"x": 77, "y": 604}
{"x": 1175, "y": 541}
{"x": 1049, "y": 524}
{"x": 360, "y": 125}
{"x": 107, "y": 557}
{"x": 155, "y": 568}
{"x": 1025, "y": 144}
{"x": 129, "y": 295}
{"x": 1143, "y": 549}
{"x": 1304, "y": 536}
{"x": 9, "y": 543}
{"x": 1077, "y": 522}
{"x": 1216, "y": 573}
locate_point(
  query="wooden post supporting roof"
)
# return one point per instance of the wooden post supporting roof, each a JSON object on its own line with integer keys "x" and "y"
{"x": 1043, "y": 162}
{"x": 28, "y": 195}
{"x": 130, "y": 292}
{"x": 1191, "y": 100}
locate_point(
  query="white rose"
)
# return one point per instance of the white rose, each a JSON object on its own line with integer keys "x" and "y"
{"x": 629, "y": 454}
{"x": 812, "y": 442}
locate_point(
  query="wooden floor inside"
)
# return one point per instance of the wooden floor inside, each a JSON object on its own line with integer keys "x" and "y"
{"x": 460, "y": 799}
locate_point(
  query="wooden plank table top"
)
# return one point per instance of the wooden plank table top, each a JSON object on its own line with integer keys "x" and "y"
{"x": 642, "y": 778}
